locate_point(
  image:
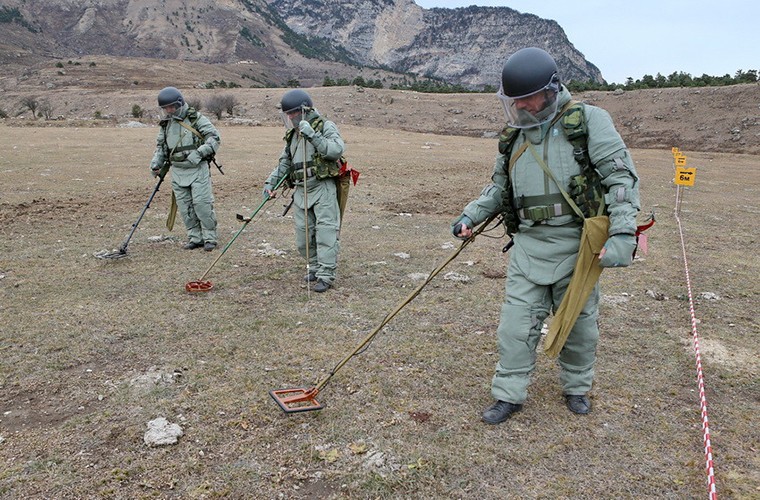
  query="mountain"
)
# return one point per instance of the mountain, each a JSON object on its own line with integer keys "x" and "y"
{"x": 466, "y": 45}
{"x": 272, "y": 41}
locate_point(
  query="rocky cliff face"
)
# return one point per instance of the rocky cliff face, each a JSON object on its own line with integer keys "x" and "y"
{"x": 465, "y": 45}
{"x": 203, "y": 30}
{"x": 302, "y": 38}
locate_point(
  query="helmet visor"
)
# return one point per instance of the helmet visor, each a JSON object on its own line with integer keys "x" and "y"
{"x": 172, "y": 110}
{"x": 292, "y": 117}
{"x": 530, "y": 110}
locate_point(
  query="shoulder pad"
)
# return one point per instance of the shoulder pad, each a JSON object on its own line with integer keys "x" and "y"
{"x": 507, "y": 138}
{"x": 317, "y": 124}
{"x": 574, "y": 122}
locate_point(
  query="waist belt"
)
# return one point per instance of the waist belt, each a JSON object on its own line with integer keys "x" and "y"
{"x": 540, "y": 208}
{"x": 181, "y": 153}
{"x": 297, "y": 174}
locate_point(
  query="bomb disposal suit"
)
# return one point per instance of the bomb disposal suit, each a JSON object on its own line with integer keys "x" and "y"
{"x": 187, "y": 140}
{"x": 546, "y": 229}
{"x": 309, "y": 159}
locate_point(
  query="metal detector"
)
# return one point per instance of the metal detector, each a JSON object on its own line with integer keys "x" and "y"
{"x": 304, "y": 399}
{"x": 203, "y": 285}
{"x": 122, "y": 250}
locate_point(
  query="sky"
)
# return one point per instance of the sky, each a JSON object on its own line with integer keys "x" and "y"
{"x": 644, "y": 37}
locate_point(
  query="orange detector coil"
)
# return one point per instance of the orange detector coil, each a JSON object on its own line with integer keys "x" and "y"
{"x": 199, "y": 286}
{"x": 296, "y": 400}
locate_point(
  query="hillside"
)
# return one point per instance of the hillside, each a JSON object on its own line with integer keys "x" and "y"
{"x": 719, "y": 119}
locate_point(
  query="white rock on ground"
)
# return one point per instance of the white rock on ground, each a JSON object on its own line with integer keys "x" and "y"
{"x": 161, "y": 432}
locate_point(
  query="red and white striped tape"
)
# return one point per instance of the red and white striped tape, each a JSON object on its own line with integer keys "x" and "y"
{"x": 713, "y": 495}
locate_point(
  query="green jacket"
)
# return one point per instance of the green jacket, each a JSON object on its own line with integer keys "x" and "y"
{"x": 326, "y": 143}
{"x": 547, "y": 249}
{"x": 181, "y": 146}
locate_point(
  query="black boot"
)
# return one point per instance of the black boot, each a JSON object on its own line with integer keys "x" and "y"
{"x": 499, "y": 412}
{"x": 322, "y": 286}
{"x": 311, "y": 277}
{"x": 192, "y": 245}
{"x": 579, "y": 404}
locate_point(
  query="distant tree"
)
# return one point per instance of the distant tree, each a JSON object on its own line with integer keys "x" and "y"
{"x": 31, "y": 103}
{"x": 748, "y": 77}
{"x": 218, "y": 104}
{"x": 328, "y": 82}
{"x": 229, "y": 103}
{"x": 46, "y": 109}
{"x": 293, "y": 82}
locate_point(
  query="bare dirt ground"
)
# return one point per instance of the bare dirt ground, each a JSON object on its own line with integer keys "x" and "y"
{"x": 92, "y": 350}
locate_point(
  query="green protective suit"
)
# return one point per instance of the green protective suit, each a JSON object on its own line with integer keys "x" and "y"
{"x": 545, "y": 251}
{"x": 191, "y": 175}
{"x": 322, "y": 212}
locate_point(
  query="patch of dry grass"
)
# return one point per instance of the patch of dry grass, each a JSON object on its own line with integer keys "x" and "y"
{"x": 402, "y": 418}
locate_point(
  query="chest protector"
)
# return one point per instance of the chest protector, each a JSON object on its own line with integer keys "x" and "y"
{"x": 585, "y": 188}
{"x": 322, "y": 167}
{"x": 179, "y": 153}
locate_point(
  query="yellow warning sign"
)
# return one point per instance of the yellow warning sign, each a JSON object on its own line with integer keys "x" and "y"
{"x": 674, "y": 150}
{"x": 680, "y": 160}
{"x": 685, "y": 176}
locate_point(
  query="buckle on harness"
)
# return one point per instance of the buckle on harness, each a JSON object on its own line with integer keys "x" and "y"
{"x": 538, "y": 213}
{"x": 580, "y": 155}
{"x": 297, "y": 174}
{"x": 542, "y": 212}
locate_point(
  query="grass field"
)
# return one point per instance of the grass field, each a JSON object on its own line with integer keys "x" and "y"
{"x": 92, "y": 350}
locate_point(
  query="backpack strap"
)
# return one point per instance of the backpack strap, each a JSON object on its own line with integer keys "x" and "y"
{"x": 193, "y": 116}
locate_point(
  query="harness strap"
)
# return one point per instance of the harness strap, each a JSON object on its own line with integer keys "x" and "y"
{"x": 542, "y": 207}
{"x": 548, "y": 172}
{"x": 191, "y": 129}
{"x": 181, "y": 149}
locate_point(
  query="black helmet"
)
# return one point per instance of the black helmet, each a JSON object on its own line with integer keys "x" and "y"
{"x": 295, "y": 100}
{"x": 170, "y": 95}
{"x": 527, "y": 71}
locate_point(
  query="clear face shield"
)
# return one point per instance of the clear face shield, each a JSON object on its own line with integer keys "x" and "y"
{"x": 292, "y": 117}
{"x": 172, "y": 110}
{"x": 530, "y": 110}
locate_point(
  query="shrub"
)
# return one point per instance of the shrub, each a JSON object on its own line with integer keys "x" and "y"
{"x": 195, "y": 103}
{"x": 31, "y": 103}
{"x": 46, "y": 109}
{"x": 220, "y": 103}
